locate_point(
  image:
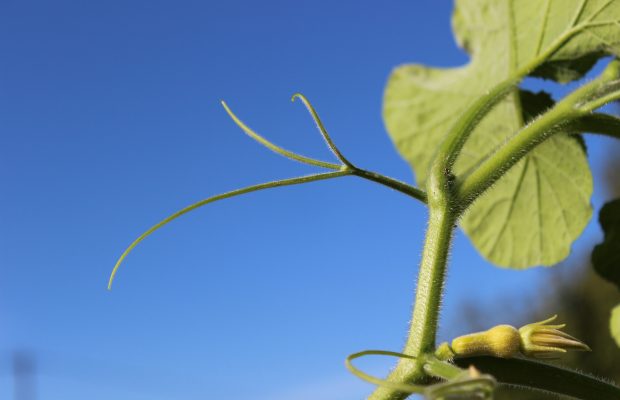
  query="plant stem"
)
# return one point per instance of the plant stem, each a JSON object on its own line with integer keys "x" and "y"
{"x": 459, "y": 133}
{"x": 494, "y": 167}
{"x": 430, "y": 282}
{"x": 445, "y": 207}
{"x": 391, "y": 183}
{"x": 428, "y": 296}
{"x": 558, "y": 119}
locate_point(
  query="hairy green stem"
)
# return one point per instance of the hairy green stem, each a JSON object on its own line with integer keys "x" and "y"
{"x": 402, "y": 187}
{"x": 431, "y": 276}
{"x": 605, "y": 100}
{"x": 559, "y": 119}
{"x": 494, "y": 167}
{"x": 461, "y": 130}
{"x": 445, "y": 207}
{"x": 451, "y": 147}
{"x": 423, "y": 329}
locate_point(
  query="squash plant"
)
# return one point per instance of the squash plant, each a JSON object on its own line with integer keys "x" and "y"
{"x": 506, "y": 165}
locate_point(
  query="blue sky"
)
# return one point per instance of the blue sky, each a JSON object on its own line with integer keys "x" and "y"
{"x": 110, "y": 120}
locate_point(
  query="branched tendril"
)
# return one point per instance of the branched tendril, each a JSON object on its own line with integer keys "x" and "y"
{"x": 275, "y": 148}
{"x": 338, "y": 170}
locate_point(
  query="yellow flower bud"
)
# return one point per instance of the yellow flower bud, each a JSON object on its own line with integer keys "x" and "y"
{"x": 537, "y": 340}
{"x": 500, "y": 341}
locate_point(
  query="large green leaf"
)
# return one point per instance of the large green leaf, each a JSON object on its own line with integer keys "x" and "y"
{"x": 606, "y": 256}
{"x": 540, "y": 207}
{"x": 534, "y": 213}
{"x": 615, "y": 323}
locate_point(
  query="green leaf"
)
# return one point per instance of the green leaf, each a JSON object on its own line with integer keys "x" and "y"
{"x": 534, "y": 213}
{"x": 606, "y": 256}
{"x": 587, "y": 28}
{"x": 614, "y": 324}
{"x": 558, "y": 39}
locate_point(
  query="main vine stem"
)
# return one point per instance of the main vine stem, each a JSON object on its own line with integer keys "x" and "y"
{"x": 431, "y": 277}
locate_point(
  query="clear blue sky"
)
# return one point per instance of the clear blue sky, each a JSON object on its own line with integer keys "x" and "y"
{"x": 109, "y": 121}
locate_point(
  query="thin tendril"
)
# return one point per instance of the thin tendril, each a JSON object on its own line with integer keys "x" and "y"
{"x": 267, "y": 185}
{"x": 321, "y": 128}
{"x": 403, "y": 387}
{"x": 275, "y": 148}
{"x": 347, "y": 165}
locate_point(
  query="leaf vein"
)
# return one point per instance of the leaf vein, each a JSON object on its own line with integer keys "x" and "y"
{"x": 541, "y": 37}
{"x": 539, "y": 213}
{"x": 559, "y": 204}
{"x": 512, "y": 204}
{"x": 597, "y": 12}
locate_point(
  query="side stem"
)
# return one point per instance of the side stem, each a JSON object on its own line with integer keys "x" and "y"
{"x": 389, "y": 182}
